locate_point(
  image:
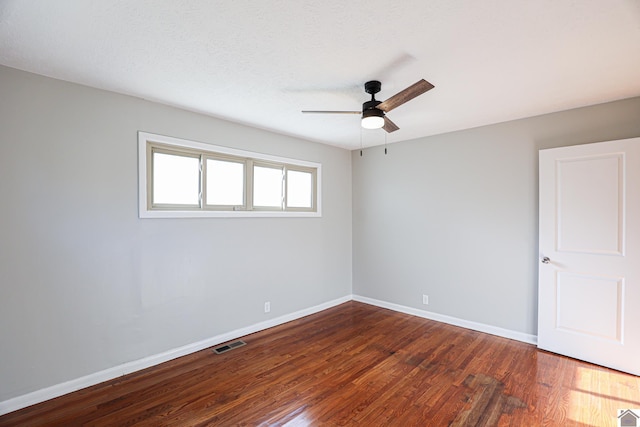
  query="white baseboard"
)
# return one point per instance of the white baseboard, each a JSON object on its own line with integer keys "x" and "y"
{"x": 57, "y": 390}
{"x": 480, "y": 327}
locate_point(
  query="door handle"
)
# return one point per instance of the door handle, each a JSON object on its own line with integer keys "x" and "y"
{"x": 545, "y": 260}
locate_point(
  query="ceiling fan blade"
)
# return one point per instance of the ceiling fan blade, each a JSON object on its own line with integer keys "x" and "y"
{"x": 389, "y": 126}
{"x": 406, "y": 95}
{"x": 330, "y": 112}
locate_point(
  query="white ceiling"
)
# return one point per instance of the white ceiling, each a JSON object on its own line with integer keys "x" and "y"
{"x": 262, "y": 62}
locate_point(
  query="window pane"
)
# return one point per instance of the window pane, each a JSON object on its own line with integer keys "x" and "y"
{"x": 267, "y": 186}
{"x": 176, "y": 179}
{"x": 225, "y": 183}
{"x": 299, "y": 193}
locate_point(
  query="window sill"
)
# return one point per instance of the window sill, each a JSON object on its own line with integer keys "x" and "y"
{"x": 227, "y": 214}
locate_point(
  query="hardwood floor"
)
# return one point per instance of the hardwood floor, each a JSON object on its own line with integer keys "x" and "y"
{"x": 354, "y": 364}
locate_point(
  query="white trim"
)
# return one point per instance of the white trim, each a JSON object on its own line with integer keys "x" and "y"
{"x": 57, "y": 390}
{"x": 228, "y": 214}
{"x": 480, "y": 327}
{"x": 144, "y": 212}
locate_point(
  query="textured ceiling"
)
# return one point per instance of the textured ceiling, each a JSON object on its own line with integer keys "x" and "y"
{"x": 262, "y": 62}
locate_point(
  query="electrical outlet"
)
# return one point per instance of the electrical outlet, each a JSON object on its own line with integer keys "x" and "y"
{"x": 267, "y": 306}
{"x": 425, "y": 299}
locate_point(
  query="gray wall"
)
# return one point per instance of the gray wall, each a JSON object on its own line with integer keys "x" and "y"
{"x": 86, "y": 285}
{"x": 455, "y": 216}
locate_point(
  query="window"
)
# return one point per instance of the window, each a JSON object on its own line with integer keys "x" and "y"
{"x": 267, "y": 186}
{"x": 299, "y": 184}
{"x": 180, "y": 178}
{"x": 224, "y": 182}
{"x": 176, "y": 179}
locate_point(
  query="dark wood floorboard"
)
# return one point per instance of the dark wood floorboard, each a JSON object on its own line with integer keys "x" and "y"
{"x": 354, "y": 364}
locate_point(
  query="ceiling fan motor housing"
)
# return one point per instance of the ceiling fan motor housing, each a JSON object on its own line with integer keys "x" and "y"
{"x": 369, "y": 109}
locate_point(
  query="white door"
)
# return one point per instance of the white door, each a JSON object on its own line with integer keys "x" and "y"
{"x": 589, "y": 273}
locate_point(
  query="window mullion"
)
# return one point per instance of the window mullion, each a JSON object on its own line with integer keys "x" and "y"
{"x": 249, "y": 184}
{"x": 203, "y": 182}
{"x": 284, "y": 187}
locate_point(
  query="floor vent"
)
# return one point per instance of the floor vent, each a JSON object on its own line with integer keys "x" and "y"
{"x": 230, "y": 346}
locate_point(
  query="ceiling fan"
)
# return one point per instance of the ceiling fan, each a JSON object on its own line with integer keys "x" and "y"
{"x": 373, "y": 111}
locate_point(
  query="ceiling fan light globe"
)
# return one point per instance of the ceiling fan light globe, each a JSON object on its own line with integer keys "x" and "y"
{"x": 372, "y": 118}
{"x": 372, "y": 122}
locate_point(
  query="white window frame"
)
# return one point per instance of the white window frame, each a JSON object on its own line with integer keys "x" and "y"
{"x": 146, "y": 141}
